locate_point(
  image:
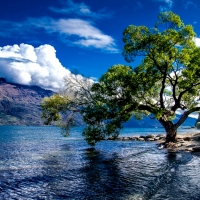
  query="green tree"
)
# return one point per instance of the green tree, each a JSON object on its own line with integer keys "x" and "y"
{"x": 169, "y": 75}
{"x": 61, "y": 108}
{"x": 167, "y": 80}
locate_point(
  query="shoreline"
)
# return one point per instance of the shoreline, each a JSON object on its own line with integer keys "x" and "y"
{"x": 189, "y": 141}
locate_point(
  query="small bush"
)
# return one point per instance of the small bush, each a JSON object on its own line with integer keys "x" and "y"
{"x": 198, "y": 125}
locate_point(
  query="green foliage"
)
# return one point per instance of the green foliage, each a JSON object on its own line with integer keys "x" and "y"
{"x": 170, "y": 65}
{"x": 51, "y": 106}
{"x": 166, "y": 80}
{"x": 113, "y": 104}
{"x": 198, "y": 125}
{"x": 59, "y": 109}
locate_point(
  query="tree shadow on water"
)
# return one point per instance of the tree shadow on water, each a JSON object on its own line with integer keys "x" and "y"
{"x": 102, "y": 176}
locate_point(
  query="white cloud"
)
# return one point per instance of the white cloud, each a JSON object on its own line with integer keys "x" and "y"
{"x": 197, "y": 41}
{"x": 78, "y": 9}
{"x": 87, "y": 34}
{"x": 168, "y": 4}
{"x": 80, "y": 32}
{"x": 189, "y": 4}
{"x": 76, "y": 31}
{"x": 27, "y": 65}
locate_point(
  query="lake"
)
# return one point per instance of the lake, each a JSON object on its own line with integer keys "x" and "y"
{"x": 39, "y": 163}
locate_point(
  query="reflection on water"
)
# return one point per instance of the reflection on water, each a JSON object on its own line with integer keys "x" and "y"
{"x": 38, "y": 163}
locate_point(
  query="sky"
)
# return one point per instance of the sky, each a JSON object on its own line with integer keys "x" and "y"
{"x": 43, "y": 40}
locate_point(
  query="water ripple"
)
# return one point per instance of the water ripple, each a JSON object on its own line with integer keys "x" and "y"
{"x": 36, "y": 165}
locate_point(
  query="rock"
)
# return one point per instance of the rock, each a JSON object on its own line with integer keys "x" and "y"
{"x": 141, "y": 139}
{"x": 188, "y": 149}
{"x": 172, "y": 150}
{"x": 161, "y": 147}
{"x": 150, "y": 139}
{"x": 187, "y": 138}
{"x": 161, "y": 138}
{"x": 196, "y": 137}
{"x": 190, "y": 146}
{"x": 160, "y": 135}
{"x": 180, "y": 140}
{"x": 111, "y": 138}
{"x": 126, "y": 138}
{"x": 157, "y": 138}
{"x": 178, "y": 145}
{"x": 196, "y": 149}
{"x": 150, "y": 136}
{"x": 134, "y": 138}
{"x": 169, "y": 145}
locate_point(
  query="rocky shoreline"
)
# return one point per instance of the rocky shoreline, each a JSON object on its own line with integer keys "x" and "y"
{"x": 184, "y": 142}
{"x": 141, "y": 138}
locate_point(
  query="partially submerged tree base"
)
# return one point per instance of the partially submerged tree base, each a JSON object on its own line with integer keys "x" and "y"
{"x": 189, "y": 142}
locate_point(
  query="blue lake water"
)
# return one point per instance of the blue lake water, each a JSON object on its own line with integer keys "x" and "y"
{"x": 39, "y": 163}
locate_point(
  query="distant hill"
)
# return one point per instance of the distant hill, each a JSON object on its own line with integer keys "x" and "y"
{"x": 20, "y": 104}
{"x": 147, "y": 122}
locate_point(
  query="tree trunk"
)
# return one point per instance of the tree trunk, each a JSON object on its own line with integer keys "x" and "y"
{"x": 171, "y": 130}
{"x": 171, "y": 135}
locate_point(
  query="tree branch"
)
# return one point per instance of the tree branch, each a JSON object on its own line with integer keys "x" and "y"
{"x": 145, "y": 107}
{"x": 185, "y": 115}
{"x": 186, "y": 90}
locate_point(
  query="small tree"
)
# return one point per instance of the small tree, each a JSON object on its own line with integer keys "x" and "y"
{"x": 198, "y": 125}
{"x": 167, "y": 80}
{"x": 63, "y": 107}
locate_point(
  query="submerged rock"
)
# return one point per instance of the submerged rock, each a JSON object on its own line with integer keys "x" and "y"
{"x": 126, "y": 138}
{"x": 196, "y": 149}
{"x": 160, "y": 135}
{"x": 150, "y": 139}
{"x": 161, "y": 146}
{"x": 188, "y": 142}
{"x": 181, "y": 140}
{"x": 150, "y": 136}
{"x": 141, "y": 139}
{"x": 135, "y": 138}
{"x": 187, "y": 138}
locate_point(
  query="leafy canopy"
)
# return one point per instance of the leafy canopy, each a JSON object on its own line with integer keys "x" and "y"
{"x": 167, "y": 80}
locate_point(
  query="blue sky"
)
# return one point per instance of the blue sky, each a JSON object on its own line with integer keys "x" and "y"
{"x": 86, "y": 35}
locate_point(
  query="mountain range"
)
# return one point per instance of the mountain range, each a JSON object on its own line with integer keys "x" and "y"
{"x": 147, "y": 122}
{"x": 20, "y": 105}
